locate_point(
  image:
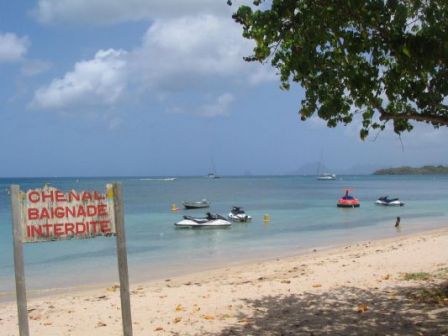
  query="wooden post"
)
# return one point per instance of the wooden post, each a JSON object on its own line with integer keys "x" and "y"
{"x": 19, "y": 266}
{"x": 122, "y": 260}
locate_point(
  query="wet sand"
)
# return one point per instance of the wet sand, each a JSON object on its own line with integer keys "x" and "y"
{"x": 355, "y": 289}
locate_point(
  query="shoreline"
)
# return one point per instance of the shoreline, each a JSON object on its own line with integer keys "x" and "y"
{"x": 267, "y": 256}
{"x": 240, "y": 299}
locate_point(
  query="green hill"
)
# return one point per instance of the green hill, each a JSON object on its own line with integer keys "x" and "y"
{"x": 425, "y": 170}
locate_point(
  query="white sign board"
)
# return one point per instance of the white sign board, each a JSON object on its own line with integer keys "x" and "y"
{"x": 50, "y": 214}
{"x": 47, "y": 214}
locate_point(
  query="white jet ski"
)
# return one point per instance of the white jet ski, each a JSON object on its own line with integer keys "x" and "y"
{"x": 237, "y": 214}
{"x": 385, "y": 200}
{"x": 210, "y": 221}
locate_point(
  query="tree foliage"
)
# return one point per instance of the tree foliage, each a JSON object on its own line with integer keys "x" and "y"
{"x": 383, "y": 59}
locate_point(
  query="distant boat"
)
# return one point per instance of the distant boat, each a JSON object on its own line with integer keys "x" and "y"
{"x": 212, "y": 174}
{"x": 326, "y": 177}
{"x": 159, "y": 179}
{"x": 196, "y": 204}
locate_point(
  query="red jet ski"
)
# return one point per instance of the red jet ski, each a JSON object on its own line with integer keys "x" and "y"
{"x": 348, "y": 201}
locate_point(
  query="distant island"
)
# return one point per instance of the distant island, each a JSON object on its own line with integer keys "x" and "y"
{"x": 425, "y": 170}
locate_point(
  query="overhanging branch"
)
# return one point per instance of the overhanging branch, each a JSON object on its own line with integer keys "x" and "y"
{"x": 435, "y": 120}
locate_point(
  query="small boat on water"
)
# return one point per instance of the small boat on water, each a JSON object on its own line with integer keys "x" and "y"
{"x": 212, "y": 174}
{"x": 326, "y": 177}
{"x": 237, "y": 214}
{"x": 386, "y": 201}
{"x": 210, "y": 221}
{"x": 196, "y": 204}
{"x": 348, "y": 201}
{"x": 159, "y": 179}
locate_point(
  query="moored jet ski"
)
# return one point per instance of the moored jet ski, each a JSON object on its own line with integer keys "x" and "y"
{"x": 210, "y": 221}
{"x": 385, "y": 200}
{"x": 237, "y": 214}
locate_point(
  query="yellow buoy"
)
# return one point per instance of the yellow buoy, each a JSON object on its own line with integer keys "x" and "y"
{"x": 266, "y": 218}
{"x": 174, "y": 208}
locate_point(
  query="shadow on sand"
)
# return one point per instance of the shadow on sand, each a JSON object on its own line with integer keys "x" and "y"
{"x": 348, "y": 311}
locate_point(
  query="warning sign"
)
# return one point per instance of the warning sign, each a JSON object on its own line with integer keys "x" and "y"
{"x": 50, "y": 214}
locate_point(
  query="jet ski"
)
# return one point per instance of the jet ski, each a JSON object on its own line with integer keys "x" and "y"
{"x": 237, "y": 214}
{"x": 385, "y": 200}
{"x": 210, "y": 221}
{"x": 348, "y": 201}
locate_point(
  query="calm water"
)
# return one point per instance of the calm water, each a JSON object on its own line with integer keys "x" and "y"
{"x": 303, "y": 216}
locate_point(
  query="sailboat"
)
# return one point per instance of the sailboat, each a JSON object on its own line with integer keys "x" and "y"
{"x": 324, "y": 176}
{"x": 212, "y": 174}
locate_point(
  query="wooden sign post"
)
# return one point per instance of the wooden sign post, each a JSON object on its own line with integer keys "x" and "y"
{"x": 122, "y": 261}
{"x": 48, "y": 214}
{"x": 19, "y": 266}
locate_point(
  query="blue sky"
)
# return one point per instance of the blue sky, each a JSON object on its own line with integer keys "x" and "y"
{"x": 111, "y": 87}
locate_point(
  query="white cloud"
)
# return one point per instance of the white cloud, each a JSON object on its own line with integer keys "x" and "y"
{"x": 98, "y": 81}
{"x": 201, "y": 55}
{"x": 217, "y": 108}
{"x": 199, "y": 51}
{"x": 179, "y": 52}
{"x": 113, "y": 11}
{"x": 12, "y": 47}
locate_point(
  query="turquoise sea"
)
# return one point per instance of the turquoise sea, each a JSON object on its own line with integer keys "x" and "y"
{"x": 302, "y": 209}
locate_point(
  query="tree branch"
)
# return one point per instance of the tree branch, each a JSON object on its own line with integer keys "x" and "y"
{"x": 436, "y": 120}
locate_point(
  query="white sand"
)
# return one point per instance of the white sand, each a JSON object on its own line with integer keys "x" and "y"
{"x": 353, "y": 290}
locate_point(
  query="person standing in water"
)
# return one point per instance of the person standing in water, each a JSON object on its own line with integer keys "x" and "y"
{"x": 397, "y": 223}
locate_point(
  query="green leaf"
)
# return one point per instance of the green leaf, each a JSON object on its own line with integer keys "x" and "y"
{"x": 406, "y": 51}
{"x": 354, "y": 55}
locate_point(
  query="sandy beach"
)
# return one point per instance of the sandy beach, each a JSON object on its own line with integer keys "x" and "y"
{"x": 394, "y": 286}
